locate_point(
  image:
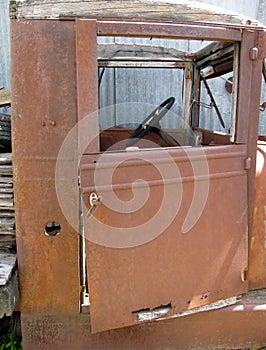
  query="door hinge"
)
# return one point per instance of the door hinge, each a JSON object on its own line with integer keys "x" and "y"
{"x": 253, "y": 53}
{"x": 247, "y": 163}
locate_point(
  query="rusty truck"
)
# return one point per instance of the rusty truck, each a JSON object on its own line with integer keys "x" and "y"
{"x": 139, "y": 175}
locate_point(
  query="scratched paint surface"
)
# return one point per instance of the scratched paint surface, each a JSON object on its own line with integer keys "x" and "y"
{"x": 257, "y": 262}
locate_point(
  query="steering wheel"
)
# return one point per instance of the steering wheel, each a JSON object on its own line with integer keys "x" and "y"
{"x": 151, "y": 123}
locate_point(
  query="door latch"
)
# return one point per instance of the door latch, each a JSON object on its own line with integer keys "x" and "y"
{"x": 247, "y": 163}
{"x": 94, "y": 201}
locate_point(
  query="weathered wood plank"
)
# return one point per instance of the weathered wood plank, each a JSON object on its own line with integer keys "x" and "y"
{"x": 6, "y": 203}
{"x": 9, "y": 296}
{"x": 5, "y": 169}
{"x": 6, "y": 195}
{"x": 5, "y": 158}
{"x": 6, "y": 181}
{"x": 7, "y": 227}
{"x": 216, "y": 56}
{"x": 7, "y": 230}
{"x": 5, "y": 98}
{"x": 142, "y": 52}
{"x": 159, "y": 10}
{"x": 7, "y": 265}
{"x": 7, "y": 242}
{"x": 6, "y": 222}
{"x": 6, "y": 185}
{"x": 6, "y": 188}
{"x": 9, "y": 208}
{"x": 6, "y": 213}
{"x": 8, "y": 236}
{"x": 211, "y": 49}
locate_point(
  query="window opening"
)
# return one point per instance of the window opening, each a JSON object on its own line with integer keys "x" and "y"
{"x": 137, "y": 75}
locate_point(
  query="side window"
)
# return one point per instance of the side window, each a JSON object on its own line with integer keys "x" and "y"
{"x": 216, "y": 101}
{"x": 218, "y": 65}
{"x": 157, "y": 93}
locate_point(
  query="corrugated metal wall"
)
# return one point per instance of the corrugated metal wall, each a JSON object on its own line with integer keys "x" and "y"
{"x": 141, "y": 85}
{"x": 4, "y": 48}
{"x": 246, "y": 7}
{"x": 149, "y": 86}
{"x": 121, "y": 86}
{"x": 254, "y": 8}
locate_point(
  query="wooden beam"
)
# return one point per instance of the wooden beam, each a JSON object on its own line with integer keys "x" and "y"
{"x": 9, "y": 296}
{"x": 140, "y": 52}
{"x": 5, "y": 98}
{"x": 8, "y": 262}
{"x": 156, "y": 10}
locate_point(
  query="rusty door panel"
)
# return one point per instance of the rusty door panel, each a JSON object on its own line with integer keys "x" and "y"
{"x": 182, "y": 266}
{"x": 236, "y": 327}
{"x": 43, "y": 111}
{"x": 257, "y": 259}
{"x": 253, "y": 127}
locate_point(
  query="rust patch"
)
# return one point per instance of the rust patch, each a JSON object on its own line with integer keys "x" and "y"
{"x": 257, "y": 260}
{"x": 42, "y": 114}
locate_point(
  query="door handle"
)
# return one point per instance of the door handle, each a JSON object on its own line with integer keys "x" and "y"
{"x": 94, "y": 201}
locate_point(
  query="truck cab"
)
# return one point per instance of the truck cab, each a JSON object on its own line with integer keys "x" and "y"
{"x": 138, "y": 212}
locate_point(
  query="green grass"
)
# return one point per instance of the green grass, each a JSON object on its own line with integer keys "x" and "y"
{"x": 10, "y": 342}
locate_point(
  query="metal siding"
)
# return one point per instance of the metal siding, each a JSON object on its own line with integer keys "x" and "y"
{"x": 119, "y": 87}
{"x": 4, "y": 48}
{"x": 245, "y": 7}
{"x": 110, "y": 93}
{"x": 208, "y": 117}
{"x": 255, "y": 9}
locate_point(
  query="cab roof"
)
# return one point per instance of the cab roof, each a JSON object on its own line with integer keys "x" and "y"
{"x": 173, "y": 11}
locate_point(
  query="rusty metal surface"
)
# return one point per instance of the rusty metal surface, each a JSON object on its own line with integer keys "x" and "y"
{"x": 181, "y": 270}
{"x": 262, "y": 45}
{"x": 185, "y": 270}
{"x": 245, "y": 82}
{"x": 106, "y": 274}
{"x": 43, "y": 111}
{"x": 167, "y": 30}
{"x": 248, "y": 111}
{"x": 87, "y": 71}
{"x": 235, "y": 327}
{"x": 253, "y": 128}
{"x": 257, "y": 259}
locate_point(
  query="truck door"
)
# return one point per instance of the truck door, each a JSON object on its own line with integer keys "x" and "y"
{"x": 165, "y": 228}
